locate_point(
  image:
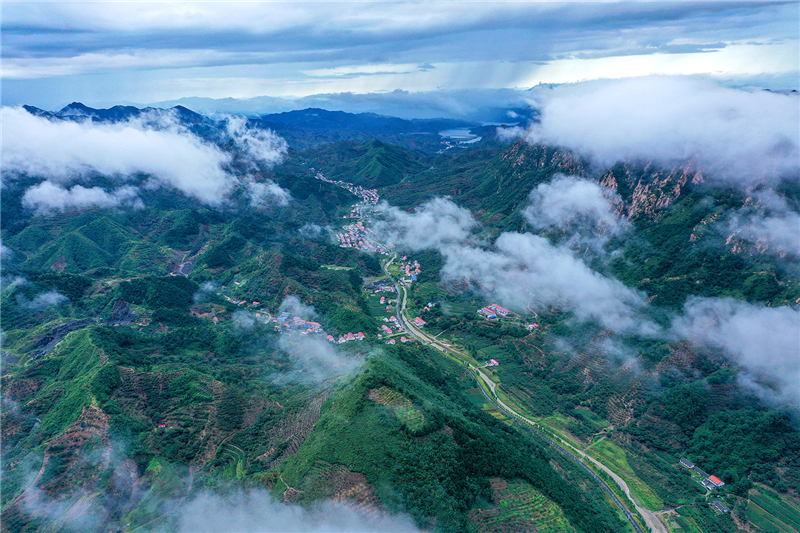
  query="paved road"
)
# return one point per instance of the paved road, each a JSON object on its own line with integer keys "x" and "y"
{"x": 513, "y": 414}
{"x": 654, "y": 524}
{"x": 652, "y": 520}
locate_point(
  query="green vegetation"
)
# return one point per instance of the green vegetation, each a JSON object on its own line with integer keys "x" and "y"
{"x": 141, "y": 364}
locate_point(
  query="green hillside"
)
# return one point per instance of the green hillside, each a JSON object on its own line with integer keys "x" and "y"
{"x": 177, "y": 350}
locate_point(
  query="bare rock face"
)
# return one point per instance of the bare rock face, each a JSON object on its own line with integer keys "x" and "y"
{"x": 649, "y": 191}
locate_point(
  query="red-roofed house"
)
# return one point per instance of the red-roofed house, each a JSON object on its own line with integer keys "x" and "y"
{"x": 716, "y": 481}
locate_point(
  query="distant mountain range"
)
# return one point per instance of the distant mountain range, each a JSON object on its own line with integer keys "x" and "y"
{"x": 302, "y": 129}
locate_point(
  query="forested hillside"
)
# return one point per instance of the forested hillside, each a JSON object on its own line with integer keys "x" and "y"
{"x": 189, "y": 346}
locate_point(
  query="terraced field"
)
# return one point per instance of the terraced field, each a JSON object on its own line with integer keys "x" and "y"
{"x": 237, "y": 458}
{"x": 520, "y": 508}
{"x": 767, "y": 510}
{"x": 402, "y": 408}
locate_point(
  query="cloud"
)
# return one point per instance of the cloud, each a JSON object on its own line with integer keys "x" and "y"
{"x": 740, "y": 136}
{"x": 765, "y": 341}
{"x": 257, "y": 512}
{"x": 48, "y": 197}
{"x": 521, "y": 270}
{"x": 525, "y": 272}
{"x": 583, "y": 209}
{"x": 313, "y": 231}
{"x": 267, "y": 193}
{"x": 295, "y": 308}
{"x": 256, "y": 146}
{"x": 769, "y": 223}
{"x": 243, "y": 321}
{"x": 436, "y": 223}
{"x": 205, "y": 292}
{"x": 43, "y": 300}
{"x": 313, "y": 359}
{"x": 155, "y": 146}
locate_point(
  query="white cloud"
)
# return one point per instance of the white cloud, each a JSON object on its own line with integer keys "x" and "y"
{"x": 769, "y": 223}
{"x": 257, "y": 512}
{"x": 434, "y": 224}
{"x": 255, "y": 145}
{"x": 523, "y": 271}
{"x": 155, "y": 146}
{"x": 737, "y": 135}
{"x": 266, "y": 193}
{"x": 583, "y": 209}
{"x": 765, "y": 341}
{"x": 43, "y": 300}
{"x": 48, "y": 197}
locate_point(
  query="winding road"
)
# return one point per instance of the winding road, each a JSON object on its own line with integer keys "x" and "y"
{"x": 652, "y": 520}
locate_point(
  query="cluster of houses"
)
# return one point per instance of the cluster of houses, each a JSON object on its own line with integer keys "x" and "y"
{"x": 295, "y": 324}
{"x": 411, "y": 269}
{"x": 492, "y": 311}
{"x": 708, "y": 481}
{"x": 402, "y": 339}
{"x": 347, "y": 337}
{"x": 369, "y": 196}
{"x": 378, "y": 287}
{"x": 355, "y": 236}
{"x": 394, "y": 320}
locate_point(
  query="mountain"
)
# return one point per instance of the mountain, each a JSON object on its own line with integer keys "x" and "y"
{"x": 118, "y": 113}
{"x": 171, "y": 354}
{"x": 313, "y": 127}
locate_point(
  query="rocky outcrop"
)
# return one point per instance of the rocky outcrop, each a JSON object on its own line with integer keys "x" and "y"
{"x": 648, "y": 191}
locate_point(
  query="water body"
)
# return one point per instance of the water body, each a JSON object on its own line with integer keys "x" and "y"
{"x": 459, "y": 134}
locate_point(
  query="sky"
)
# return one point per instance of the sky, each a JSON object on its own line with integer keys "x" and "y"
{"x": 104, "y": 53}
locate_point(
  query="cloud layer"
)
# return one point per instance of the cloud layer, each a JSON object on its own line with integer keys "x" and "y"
{"x": 742, "y": 136}
{"x": 580, "y": 207}
{"x": 154, "y": 148}
{"x": 82, "y": 51}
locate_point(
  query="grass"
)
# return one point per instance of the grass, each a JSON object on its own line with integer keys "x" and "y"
{"x": 616, "y": 459}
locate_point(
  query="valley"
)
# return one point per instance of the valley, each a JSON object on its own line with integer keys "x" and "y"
{"x": 401, "y": 334}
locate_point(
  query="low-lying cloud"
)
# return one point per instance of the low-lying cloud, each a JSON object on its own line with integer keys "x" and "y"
{"x": 313, "y": 359}
{"x": 154, "y": 147}
{"x": 257, "y": 512}
{"x": 769, "y": 223}
{"x": 256, "y": 146}
{"x": 48, "y": 197}
{"x": 523, "y": 270}
{"x": 581, "y": 208}
{"x": 42, "y": 300}
{"x": 737, "y": 135}
{"x": 765, "y": 341}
